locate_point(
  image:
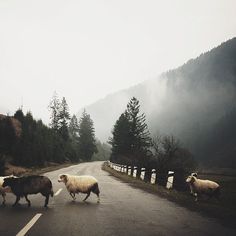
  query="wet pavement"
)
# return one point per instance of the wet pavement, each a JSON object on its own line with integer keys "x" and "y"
{"x": 123, "y": 210}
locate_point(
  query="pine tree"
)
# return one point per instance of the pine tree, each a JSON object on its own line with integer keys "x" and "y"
{"x": 87, "y": 142}
{"x": 120, "y": 141}
{"x": 131, "y": 140}
{"x": 139, "y": 134}
{"x": 64, "y": 117}
{"x": 74, "y": 128}
{"x": 54, "y": 107}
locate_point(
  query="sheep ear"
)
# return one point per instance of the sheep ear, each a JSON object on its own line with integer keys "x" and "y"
{"x": 65, "y": 176}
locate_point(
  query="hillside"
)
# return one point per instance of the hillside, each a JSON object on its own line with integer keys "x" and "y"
{"x": 195, "y": 102}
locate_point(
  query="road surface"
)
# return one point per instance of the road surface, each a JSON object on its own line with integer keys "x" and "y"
{"x": 123, "y": 210}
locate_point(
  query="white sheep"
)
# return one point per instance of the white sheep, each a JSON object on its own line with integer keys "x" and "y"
{"x": 190, "y": 186}
{"x": 199, "y": 186}
{"x": 4, "y": 190}
{"x": 80, "y": 184}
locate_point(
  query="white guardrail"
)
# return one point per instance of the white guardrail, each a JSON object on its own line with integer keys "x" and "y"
{"x": 123, "y": 169}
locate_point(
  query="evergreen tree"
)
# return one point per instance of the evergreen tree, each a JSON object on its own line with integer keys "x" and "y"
{"x": 131, "y": 141}
{"x": 64, "y": 117}
{"x": 74, "y": 139}
{"x": 120, "y": 142}
{"x": 139, "y": 135}
{"x": 54, "y": 107}
{"x": 87, "y": 142}
{"x": 74, "y": 128}
{"x": 7, "y": 136}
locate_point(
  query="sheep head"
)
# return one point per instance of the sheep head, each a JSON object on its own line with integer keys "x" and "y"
{"x": 62, "y": 178}
{"x": 8, "y": 182}
{"x": 191, "y": 179}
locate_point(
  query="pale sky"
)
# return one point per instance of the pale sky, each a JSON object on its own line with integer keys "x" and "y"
{"x": 86, "y": 50}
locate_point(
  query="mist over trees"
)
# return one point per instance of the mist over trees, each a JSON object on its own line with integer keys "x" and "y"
{"x": 193, "y": 102}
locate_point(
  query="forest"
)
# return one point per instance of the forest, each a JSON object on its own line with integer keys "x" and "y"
{"x": 27, "y": 142}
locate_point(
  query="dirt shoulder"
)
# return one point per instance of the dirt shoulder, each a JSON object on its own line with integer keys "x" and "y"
{"x": 224, "y": 211}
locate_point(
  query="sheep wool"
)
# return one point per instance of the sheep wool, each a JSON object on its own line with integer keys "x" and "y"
{"x": 200, "y": 186}
{"x": 80, "y": 184}
{"x": 4, "y": 190}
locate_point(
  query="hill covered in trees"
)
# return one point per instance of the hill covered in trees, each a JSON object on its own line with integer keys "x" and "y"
{"x": 195, "y": 103}
{"x": 28, "y": 142}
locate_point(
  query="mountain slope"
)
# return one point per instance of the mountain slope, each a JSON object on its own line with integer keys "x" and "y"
{"x": 192, "y": 102}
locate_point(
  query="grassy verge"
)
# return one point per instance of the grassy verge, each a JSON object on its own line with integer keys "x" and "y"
{"x": 224, "y": 211}
{"x": 19, "y": 171}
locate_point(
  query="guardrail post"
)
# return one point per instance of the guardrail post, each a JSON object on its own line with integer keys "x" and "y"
{"x": 153, "y": 176}
{"x": 142, "y": 173}
{"x": 135, "y": 172}
{"x": 129, "y": 170}
{"x": 170, "y": 179}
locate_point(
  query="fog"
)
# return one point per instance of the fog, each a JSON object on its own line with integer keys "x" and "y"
{"x": 195, "y": 103}
{"x": 86, "y": 50}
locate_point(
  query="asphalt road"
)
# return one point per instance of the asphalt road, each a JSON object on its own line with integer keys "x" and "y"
{"x": 123, "y": 210}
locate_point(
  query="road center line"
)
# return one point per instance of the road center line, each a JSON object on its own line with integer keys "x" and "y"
{"x": 29, "y": 225}
{"x": 58, "y": 191}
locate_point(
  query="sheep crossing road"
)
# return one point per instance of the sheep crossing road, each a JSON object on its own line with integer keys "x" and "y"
{"x": 123, "y": 210}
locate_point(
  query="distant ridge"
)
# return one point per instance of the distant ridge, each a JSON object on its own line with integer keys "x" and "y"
{"x": 192, "y": 102}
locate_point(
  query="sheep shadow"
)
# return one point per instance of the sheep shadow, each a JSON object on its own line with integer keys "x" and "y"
{"x": 82, "y": 204}
{"x": 23, "y": 207}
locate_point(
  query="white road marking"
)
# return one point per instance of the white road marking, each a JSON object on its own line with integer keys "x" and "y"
{"x": 58, "y": 191}
{"x": 29, "y": 225}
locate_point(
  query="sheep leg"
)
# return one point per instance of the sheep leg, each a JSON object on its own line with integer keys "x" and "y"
{"x": 46, "y": 201}
{"x": 88, "y": 194}
{"x": 26, "y": 198}
{"x": 96, "y": 191}
{"x": 98, "y": 197}
{"x": 73, "y": 196}
{"x": 4, "y": 199}
{"x": 17, "y": 200}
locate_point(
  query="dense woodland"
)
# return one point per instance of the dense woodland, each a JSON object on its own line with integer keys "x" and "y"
{"x": 28, "y": 142}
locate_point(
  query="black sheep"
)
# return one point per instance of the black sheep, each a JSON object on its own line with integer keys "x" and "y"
{"x": 34, "y": 184}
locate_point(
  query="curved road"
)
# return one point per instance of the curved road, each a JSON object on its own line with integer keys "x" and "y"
{"x": 123, "y": 210}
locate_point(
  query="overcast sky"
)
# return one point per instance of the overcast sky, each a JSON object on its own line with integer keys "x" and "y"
{"x": 85, "y": 50}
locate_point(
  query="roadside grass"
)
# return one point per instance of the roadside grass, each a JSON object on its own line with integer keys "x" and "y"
{"x": 223, "y": 210}
{"x": 19, "y": 171}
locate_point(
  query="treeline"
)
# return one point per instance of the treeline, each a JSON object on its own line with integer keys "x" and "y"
{"x": 133, "y": 145}
{"x": 28, "y": 142}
